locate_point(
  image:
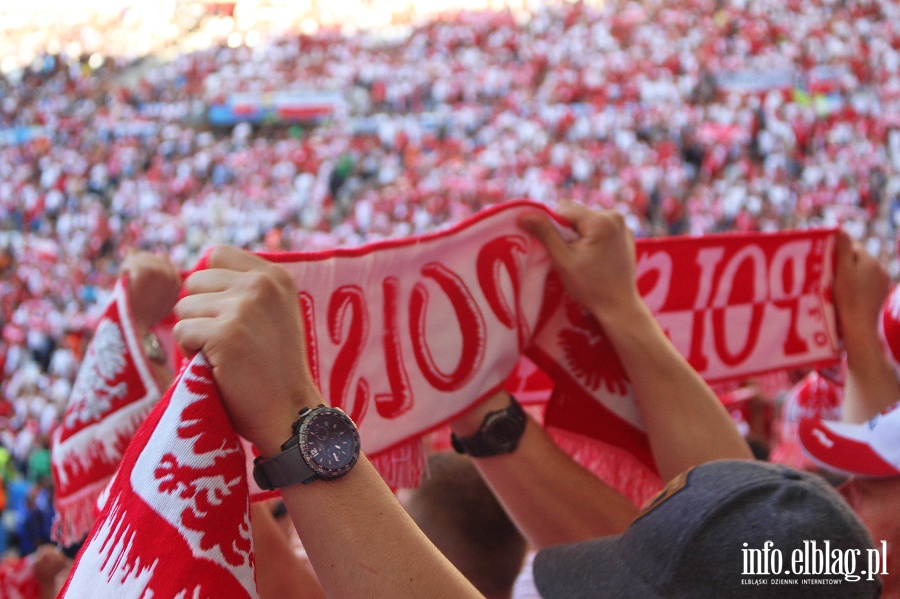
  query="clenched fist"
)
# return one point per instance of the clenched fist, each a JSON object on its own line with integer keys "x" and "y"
{"x": 243, "y": 314}
{"x": 153, "y": 288}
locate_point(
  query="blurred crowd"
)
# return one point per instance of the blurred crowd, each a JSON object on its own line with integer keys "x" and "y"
{"x": 120, "y": 29}
{"x": 689, "y": 117}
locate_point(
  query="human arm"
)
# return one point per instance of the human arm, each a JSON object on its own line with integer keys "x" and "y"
{"x": 686, "y": 423}
{"x": 49, "y": 562}
{"x": 279, "y": 571}
{"x": 551, "y": 499}
{"x": 861, "y": 285}
{"x": 243, "y": 314}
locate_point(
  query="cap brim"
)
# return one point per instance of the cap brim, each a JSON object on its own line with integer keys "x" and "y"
{"x": 844, "y": 448}
{"x": 588, "y": 570}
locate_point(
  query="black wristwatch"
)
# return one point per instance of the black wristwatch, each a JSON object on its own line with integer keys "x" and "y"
{"x": 325, "y": 445}
{"x": 499, "y": 433}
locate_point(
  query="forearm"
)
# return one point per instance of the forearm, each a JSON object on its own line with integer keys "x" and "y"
{"x": 872, "y": 384}
{"x": 280, "y": 574}
{"x": 551, "y": 498}
{"x": 686, "y": 423}
{"x": 362, "y": 544}
{"x": 48, "y": 589}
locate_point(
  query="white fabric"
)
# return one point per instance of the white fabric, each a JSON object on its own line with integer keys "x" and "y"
{"x": 882, "y": 434}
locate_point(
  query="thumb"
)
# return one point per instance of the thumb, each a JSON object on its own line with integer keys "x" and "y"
{"x": 542, "y": 228}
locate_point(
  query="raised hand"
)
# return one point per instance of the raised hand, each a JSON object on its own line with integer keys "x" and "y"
{"x": 243, "y": 314}
{"x": 153, "y": 287}
{"x": 598, "y": 267}
{"x": 861, "y": 285}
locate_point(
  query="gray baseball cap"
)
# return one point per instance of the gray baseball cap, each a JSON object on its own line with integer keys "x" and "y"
{"x": 695, "y": 540}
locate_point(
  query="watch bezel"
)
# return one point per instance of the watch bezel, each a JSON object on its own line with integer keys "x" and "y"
{"x": 323, "y": 471}
{"x": 502, "y": 421}
{"x": 484, "y": 444}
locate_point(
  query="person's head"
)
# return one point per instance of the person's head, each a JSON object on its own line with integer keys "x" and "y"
{"x": 459, "y": 514}
{"x": 723, "y": 529}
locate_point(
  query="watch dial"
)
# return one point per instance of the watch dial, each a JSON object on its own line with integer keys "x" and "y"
{"x": 330, "y": 442}
{"x": 505, "y": 431}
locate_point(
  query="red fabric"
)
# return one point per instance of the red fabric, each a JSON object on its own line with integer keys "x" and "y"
{"x": 18, "y": 580}
{"x": 869, "y": 449}
{"x": 843, "y": 453}
{"x": 177, "y": 520}
{"x": 890, "y": 327}
{"x": 408, "y": 333}
{"x": 113, "y": 393}
{"x": 816, "y": 396}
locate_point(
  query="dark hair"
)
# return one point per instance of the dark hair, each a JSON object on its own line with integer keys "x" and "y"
{"x": 458, "y": 513}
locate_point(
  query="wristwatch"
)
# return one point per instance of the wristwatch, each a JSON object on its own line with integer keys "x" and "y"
{"x": 325, "y": 445}
{"x": 153, "y": 349}
{"x": 498, "y": 434}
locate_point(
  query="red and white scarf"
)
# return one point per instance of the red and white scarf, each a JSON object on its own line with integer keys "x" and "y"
{"x": 177, "y": 519}
{"x": 405, "y": 335}
{"x": 112, "y": 394}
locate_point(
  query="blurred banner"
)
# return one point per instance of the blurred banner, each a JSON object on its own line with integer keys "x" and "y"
{"x": 275, "y": 108}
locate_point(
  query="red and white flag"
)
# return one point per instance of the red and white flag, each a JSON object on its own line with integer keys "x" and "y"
{"x": 177, "y": 519}
{"x": 112, "y": 394}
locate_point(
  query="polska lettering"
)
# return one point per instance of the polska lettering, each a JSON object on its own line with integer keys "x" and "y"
{"x": 717, "y": 323}
{"x": 403, "y": 334}
{"x": 349, "y": 320}
{"x": 815, "y": 560}
{"x": 719, "y": 301}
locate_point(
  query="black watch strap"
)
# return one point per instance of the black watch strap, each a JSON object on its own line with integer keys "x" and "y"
{"x": 282, "y": 470}
{"x": 499, "y": 433}
{"x": 296, "y": 463}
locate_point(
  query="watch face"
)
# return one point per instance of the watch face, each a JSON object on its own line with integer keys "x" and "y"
{"x": 503, "y": 432}
{"x": 329, "y": 442}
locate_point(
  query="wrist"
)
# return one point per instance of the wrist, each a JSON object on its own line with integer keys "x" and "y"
{"x": 860, "y": 337}
{"x": 153, "y": 348}
{"x": 269, "y": 445}
{"x": 324, "y": 444}
{"x": 141, "y": 325}
{"x": 630, "y": 312}
{"x": 281, "y": 428}
{"x": 470, "y": 422}
{"x": 498, "y": 434}
{"x": 866, "y": 359}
